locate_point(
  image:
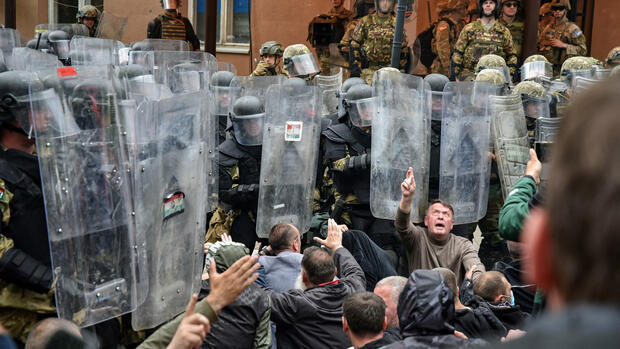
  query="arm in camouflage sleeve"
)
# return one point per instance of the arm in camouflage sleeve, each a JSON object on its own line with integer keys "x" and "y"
{"x": 459, "y": 50}
{"x": 442, "y": 44}
{"x": 358, "y": 37}
{"x": 577, "y": 44}
{"x": 511, "y": 57}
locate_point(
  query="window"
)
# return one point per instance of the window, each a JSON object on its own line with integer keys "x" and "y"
{"x": 233, "y": 24}
{"x": 64, "y": 11}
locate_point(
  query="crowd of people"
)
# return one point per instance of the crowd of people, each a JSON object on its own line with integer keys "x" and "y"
{"x": 161, "y": 201}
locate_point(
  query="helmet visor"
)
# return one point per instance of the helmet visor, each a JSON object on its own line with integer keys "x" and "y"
{"x": 302, "y": 65}
{"x": 535, "y": 107}
{"x": 61, "y": 48}
{"x": 362, "y": 111}
{"x": 222, "y": 98}
{"x": 248, "y": 129}
{"x": 532, "y": 70}
{"x": 46, "y": 116}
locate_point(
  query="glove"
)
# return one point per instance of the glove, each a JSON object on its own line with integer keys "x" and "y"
{"x": 18, "y": 267}
{"x": 358, "y": 162}
{"x": 356, "y": 72}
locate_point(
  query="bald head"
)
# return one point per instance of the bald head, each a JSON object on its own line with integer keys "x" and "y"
{"x": 450, "y": 279}
{"x": 54, "y": 333}
{"x": 491, "y": 286}
{"x": 284, "y": 237}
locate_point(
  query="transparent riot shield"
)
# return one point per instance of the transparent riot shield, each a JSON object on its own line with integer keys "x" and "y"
{"x": 465, "y": 162}
{"x": 161, "y": 45}
{"x": 400, "y": 139}
{"x": 169, "y": 177}
{"x": 27, "y": 59}
{"x": 580, "y": 84}
{"x": 73, "y": 29}
{"x": 533, "y": 70}
{"x": 9, "y": 39}
{"x": 510, "y": 139}
{"x": 94, "y": 51}
{"x": 182, "y": 71}
{"x": 329, "y": 86}
{"x": 254, "y": 85}
{"x": 545, "y": 133}
{"x": 289, "y": 158}
{"x": 94, "y": 247}
{"x": 111, "y": 27}
{"x": 223, "y": 66}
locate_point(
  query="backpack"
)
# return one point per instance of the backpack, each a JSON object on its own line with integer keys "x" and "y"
{"x": 427, "y": 56}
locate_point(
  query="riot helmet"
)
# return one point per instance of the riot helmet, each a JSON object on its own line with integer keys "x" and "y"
{"x": 436, "y": 82}
{"x": 613, "y": 57}
{"x": 496, "y": 62}
{"x": 576, "y": 66}
{"x": 534, "y": 98}
{"x": 171, "y": 4}
{"x": 295, "y": 82}
{"x": 299, "y": 61}
{"x": 222, "y": 94}
{"x": 360, "y": 105}
{"x": 58, "y": 42}
{"x": 385, "y": 6}
{"x": 346, "y": 85}
{"x": 495, "y": 12}
{"x": 535, "y": 66}
{"x": 92, "y": 102}
{"x": 363, "y": 8}
{"x": 23, "y": 98}
{"x": 247, "y": 119}
{"x": 492, "y": 76}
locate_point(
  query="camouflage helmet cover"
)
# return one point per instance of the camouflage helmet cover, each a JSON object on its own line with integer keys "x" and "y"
{"x": 529, "y": 88}
{"x": 535, "y": 58}
{"x": 565, "y": 3}
{"x": 490, "y": 60}
{"x": 492, "y": 76}
{"x": 613, "y": 57}
{"x": 271, "y": 48}
{"x": 596, "y": 62}
{"x": 615, "y": 71}
{"x": 295, "y": 50}
{"x": 576, "y": 63}
{"x": 88, "y": 11}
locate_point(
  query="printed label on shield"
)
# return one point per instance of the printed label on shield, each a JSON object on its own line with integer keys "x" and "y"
{"x": 174, "y": 204}
{"x": 66, "y": 71}
{"x": 293, "y": 131}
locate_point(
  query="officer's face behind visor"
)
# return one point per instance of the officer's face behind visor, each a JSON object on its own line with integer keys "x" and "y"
{"x": 385, "y": 5}
{"x": 362, "y": 111}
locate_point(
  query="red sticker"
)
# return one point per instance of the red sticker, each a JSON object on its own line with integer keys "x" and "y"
{"x": 66, "y": 71}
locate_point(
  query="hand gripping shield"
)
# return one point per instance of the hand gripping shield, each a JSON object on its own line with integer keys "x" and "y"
{"x": 329, "y": 86}
{"x": 289, "y": 158}
{"x": 95, "y": 51}
{"x": 544, "y": 137}
{"x": 510, "y": 139}
{"x": 465, "y": 161}
{"x": 82, "y": 157}
{"x": 111, "y": 27}
{"x": 169, "y": 181}
{"x": 400, "y": 139}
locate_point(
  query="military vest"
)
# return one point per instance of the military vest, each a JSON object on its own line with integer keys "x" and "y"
{"x": 27, "y": 226}
{"x": 172, "y": 27}
{"x": 247, "y": 159}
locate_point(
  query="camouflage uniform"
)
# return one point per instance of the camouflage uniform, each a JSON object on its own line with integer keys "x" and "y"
{"x": 530, "y": 89}
{"x": 516, "y": 28}
{"x": 341, "y": 15}
{"x": 345, "y": 49}
{"x": 263, "y": 69}
{"x": 475, "y": 41}
{"x": 569, "y": 33}
{"x": 373, "y": 38}
{"x": 445, "y": 34}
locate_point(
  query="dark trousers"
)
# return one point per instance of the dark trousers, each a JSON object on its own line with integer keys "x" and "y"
{"x": 373, "y": 260}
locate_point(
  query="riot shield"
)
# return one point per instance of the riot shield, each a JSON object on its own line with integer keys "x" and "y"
{"x": 9, "y": 39}
{"x": 510, "y": 139}
{"x": 465, "y": 162}
{"x": 161, "y": 45}
{"x": 223, "y": 66}
{"x": 183, "y": 71}
{"x": 329, "y": 86}
{"x": 111, "y": 27}
{"x": 169, "y": 177}
{"x": 400, "y": 139}
{"x": 580, "y": 84}
{"x": 545, "y": 133}
{"x": 256, "y": 86}
{"x": 289, "y": 158}
{"x": 27, "y": 59}
{"x": 73, "y": 29}
{"x": 94, "y": 248}
{"x": 94, "y": 51}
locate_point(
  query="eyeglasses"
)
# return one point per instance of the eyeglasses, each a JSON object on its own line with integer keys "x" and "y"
{"x": 511, "y": 4}
{"x": 558, "y": 8}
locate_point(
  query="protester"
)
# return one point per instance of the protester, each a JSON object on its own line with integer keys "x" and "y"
{"x": 364, "y": 320}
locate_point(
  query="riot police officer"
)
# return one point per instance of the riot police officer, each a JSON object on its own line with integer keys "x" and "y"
{"x": 347, "y": 154}
{"x": 222, "y": 97}
{"x": 89, "y": 16}
{"x": 25, "y": 265}
{"x": 239, "y": 172}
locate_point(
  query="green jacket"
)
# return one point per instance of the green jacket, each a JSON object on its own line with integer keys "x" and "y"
{"x": 516, "y": 208}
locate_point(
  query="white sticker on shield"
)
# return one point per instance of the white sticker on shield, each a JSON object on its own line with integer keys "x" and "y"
{"x": 293, "y": 131}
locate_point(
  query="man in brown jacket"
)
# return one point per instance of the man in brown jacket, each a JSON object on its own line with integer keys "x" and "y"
{"x": 434, "y": 246}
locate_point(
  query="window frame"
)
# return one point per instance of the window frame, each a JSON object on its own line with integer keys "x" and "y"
{"x": 226, "y": 27}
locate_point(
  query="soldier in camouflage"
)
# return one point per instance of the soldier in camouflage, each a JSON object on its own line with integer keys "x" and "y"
{"x": 484, "y": 36}
{"x": 510, "y": 18}
{"x": 338, "y": 18}
{"x": 496, "y": 62}
{"x": 89, "y": 16}
{"x": 299, "y": 62}
{"x": 493, "y": 247}
{"x": 451, "y": 21}
{"x": 613, "y": 57}
{"x": 561, "y": 39}
{"x": 271, "y": 55}
{"x": 574, "y": 66}
{"x": 362, "y": 8}
{"x": 172, "y": 25}
{"x": 372, "y": 42}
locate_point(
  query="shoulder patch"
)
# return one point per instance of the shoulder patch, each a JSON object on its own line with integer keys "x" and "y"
{"x": 577, "y": 33}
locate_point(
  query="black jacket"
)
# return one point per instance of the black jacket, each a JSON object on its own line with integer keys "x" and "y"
{"x": 313, "y": 318}
{"x": 479, "y": 323}
{"x": 426, "y": 314}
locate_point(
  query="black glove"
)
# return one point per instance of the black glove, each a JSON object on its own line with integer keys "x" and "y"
{"x": 359, "y": 162}
{"x": 356, "y": 72}
{"x": 18, "y": 267}
{"x": 242, "y": 195}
